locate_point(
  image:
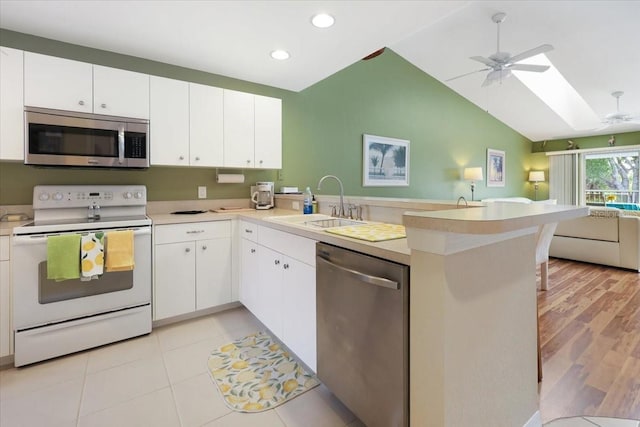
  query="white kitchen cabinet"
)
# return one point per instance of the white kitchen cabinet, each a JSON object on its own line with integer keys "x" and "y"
{"x": 249, "y": 276}
{"x": 239, "y": 129}
{"x": 11, "y": 104}
{"x": 63, "y": 84}
{"x": 59, "y": 83}
{"x": 205, "y": 125}
{"x": 252, "y": 131}
{"x": 192, "y": 267}
{"x": 271, "y": 268}
{"x": 169, "y": 121}
{"x": 268, "y": 132}
{"x": 6, "y": 333}
{"x": 120, "y": 92}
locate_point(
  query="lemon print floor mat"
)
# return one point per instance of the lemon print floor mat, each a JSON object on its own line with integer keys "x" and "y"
{"x": 255, "y": 374}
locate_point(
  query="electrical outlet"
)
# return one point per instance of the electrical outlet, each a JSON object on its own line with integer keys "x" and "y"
{"x": 280, "y": 175}
{"x": 202, "y": 192}
{"x": 295, "y": 205}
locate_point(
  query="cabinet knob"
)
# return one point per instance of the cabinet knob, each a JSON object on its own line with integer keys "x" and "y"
{"x": 253, "y": 251}
{"x": 277, "y": 262}
{"x": 81, "y": 102}
{"x": 204, "y": 247}
{"x": 181, "y": 157}
{"x": 248, "y": 162}
{"x": 286, "y": 266}
{"x": 197, "y": 158}
{"x": 187, "y": 250}
{"x": 103, "y": 105}
{"x": 260, "y": 161}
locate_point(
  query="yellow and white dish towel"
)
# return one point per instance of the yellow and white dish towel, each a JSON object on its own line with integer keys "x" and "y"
{"x": 92, "y": 255}
{"x": 119, "y": 250}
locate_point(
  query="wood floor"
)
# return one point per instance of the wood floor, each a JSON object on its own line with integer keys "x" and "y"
{"x": 590, "y": 336}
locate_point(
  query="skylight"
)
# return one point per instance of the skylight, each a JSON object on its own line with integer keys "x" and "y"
{"x": 555, "y": 91}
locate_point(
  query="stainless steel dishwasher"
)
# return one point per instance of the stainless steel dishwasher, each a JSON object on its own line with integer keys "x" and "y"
{"x": 362, "y": 337}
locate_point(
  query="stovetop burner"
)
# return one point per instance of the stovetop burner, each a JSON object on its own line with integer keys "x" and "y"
{"x": 80, "y": 224}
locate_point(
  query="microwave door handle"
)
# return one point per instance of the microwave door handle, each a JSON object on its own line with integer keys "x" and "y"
{"x": 121, "y": 145}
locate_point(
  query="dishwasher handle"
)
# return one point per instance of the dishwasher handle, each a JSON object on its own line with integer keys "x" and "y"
{"x": 373, "y": 280}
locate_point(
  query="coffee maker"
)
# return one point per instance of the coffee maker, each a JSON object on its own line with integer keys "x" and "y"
{"x": 262, "y": 195}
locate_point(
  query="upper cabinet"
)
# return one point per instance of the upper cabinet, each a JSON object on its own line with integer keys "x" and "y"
{"x": 252, "y": 131}
{"x": 11, "y": 104}
{"x": 205, "y": 125}
{"x": 64, "y": 84}
{"x": 169, "y": 123}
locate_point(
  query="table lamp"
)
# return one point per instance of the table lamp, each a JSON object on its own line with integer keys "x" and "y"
{"x": 473, "y": 175}
{"x": 536, "y": 177}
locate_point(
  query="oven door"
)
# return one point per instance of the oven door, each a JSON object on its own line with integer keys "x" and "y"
{"x": 39, "y": 301}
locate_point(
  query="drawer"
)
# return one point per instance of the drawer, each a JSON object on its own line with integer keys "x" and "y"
{"x": 191, "y": 231}
{"x": 249, "y": 231}
{"x": 4, "y": 248}
{"x": 293, "y": 246}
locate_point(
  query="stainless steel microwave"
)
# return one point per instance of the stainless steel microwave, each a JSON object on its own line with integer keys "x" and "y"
{"x": 67, "y": 138}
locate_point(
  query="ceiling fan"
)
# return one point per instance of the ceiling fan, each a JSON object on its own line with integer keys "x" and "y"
{"x": 500, "y": 64}
{"x": 619, "y": 116}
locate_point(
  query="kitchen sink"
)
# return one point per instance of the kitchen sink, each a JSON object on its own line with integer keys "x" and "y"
{"x": 315, "y": 220}
{"x": 333, "y": 222}
{"x": 298, "y": 219}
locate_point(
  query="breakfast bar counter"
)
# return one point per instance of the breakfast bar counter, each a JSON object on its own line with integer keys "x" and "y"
{"x": 472, "y": 321}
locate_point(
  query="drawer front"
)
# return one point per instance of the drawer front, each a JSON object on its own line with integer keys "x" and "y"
{"x": 300, "y": 248}
{"x": 4, "y": 248}
{"x": 192, "y": 231}
{"x": 249, "y": 231}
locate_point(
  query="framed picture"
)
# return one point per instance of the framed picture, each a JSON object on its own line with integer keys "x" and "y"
{"x": 496, "y": 168}
{"x": 385, "y": 161}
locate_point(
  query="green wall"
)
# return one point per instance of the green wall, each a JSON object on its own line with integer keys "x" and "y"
{"x": 322, "y": 133}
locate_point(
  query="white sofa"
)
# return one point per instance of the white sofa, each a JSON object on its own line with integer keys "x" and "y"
{"x": 607, "y": 236}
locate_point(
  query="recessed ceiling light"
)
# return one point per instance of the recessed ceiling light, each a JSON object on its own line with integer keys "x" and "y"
{"x": 280, "y": 54}
{"x": 323, "y": 20}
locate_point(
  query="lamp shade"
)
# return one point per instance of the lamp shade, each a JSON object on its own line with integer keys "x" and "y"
{"x": 473, "y": 174}
{"x": 536, "y": 176}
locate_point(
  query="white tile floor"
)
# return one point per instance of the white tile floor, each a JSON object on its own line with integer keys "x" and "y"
{"x": 161, "y": 380}
{"x": 157, "y": 380}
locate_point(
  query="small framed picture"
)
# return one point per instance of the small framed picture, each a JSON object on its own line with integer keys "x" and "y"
{"x": 385, "y": 161}
{"x": 496, "y": 168}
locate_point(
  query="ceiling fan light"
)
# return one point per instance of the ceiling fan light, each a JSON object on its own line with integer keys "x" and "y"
{"x": 498, "y": 75}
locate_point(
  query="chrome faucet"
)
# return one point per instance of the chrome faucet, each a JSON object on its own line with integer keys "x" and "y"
{"x": 341, "y": 213}
{"x": 464, "y": 200}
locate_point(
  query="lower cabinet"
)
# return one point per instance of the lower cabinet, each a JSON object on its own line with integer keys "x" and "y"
{"x": 278, "y": 285}
{"x": 6, "y": 333}
{"x": 192, "y": 267}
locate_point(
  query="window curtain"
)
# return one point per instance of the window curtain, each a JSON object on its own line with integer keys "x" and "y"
{"x": 563, "y": 178}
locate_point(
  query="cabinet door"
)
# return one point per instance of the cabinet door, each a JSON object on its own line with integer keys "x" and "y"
{"x": 268, "y": 138}
{"x": 169, "y": 121}
{"x": 205, "y": 125}
{"x": 298, "y": 309}
{"x": 52, "y": 82}
{"x": 11, "y": 104}
{"x": 5, "y": 309}
{"x": 270, "y": 291}
{"x": 249, "y": 277}
{"x": 213, "y": 272}
{"x": 120, "y": 92}
{"x": 238, "y": 129}
{"x": 175, "y": 276}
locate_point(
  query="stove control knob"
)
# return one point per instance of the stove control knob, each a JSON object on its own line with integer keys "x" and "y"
{"x": 127, "y": 195}
{"x": 138, "y": 195}
{"x": 44, "y": 197}
{"x": 58, "y": 196}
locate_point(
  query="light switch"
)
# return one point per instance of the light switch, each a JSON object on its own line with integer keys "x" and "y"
{"x": 202, "y": 192}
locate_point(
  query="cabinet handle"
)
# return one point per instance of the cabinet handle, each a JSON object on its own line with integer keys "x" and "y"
{"x": 181, "y": 158}
{"x": 204, "y": 247}
{"x": 246, "y": 230}
{"x": 103, "y": 105}
{"x": 81, "y": 102}
{"x": 277, "y": 262}
{"x": 286, "y": 266}
{"x": 195, "y": 231}
{"x": 187, "y": 250}
{"x": 253, "y": 251}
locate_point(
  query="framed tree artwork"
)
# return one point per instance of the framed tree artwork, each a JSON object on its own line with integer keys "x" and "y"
{"x": 496, "y": 168}
{"x": 385, "y": 161}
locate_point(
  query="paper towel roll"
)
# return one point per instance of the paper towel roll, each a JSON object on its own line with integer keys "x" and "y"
{"x": 230, "y": 178}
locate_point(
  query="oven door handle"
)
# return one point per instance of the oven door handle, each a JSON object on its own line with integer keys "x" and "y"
{"x": 121, "y": 145}
{"x": 35, "y": 239}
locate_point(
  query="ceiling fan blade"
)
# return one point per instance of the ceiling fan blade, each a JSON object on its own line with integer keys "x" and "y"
{"x": 485, "y": 61}
{"x": 467, "y": 74}
{"x": 529, "y": 67}
{"x": 487, "y": 82}
{"x": 531, "y": 52}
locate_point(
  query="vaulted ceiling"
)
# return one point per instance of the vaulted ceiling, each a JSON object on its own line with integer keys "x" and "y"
{"x": 596, "y": 44}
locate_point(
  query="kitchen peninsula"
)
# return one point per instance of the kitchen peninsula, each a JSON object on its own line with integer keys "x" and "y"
{"x": 473, "y": 314}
